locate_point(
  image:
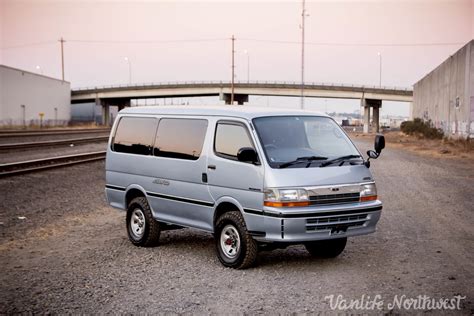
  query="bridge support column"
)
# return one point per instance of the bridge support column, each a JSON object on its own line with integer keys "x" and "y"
{"x": 239, "y": 98}
{"x": 107, "y": 103}
{"x": 105, "y": 110}
{"x": 375, "y": 105}
{"x": 105, "y": 113}
{"x": 375, "y": 118}
{"x": 366, "y": 119}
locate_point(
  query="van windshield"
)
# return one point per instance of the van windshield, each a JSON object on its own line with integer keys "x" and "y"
{"x": 304, "y": 141}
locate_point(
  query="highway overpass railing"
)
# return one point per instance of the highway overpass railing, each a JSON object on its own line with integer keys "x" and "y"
{"x": 260, "y": 83}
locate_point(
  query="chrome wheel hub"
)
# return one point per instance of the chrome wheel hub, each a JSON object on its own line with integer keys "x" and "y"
{"x": 137, "y": 223}
{"x": 230, "y": 241}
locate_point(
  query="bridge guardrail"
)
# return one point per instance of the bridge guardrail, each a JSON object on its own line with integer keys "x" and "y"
{"x": 292, "y": 83}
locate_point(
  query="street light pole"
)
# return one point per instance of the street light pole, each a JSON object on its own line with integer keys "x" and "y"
{"x": 303, "y": 14}
{"x": 246, "y": 52}
{"x": 129, "y": 69}
{"x": 233, "y": 68}
{"x": 380, "y": 69}
{"x": 62, "y": 57}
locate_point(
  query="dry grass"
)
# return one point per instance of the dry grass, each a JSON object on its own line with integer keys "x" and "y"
{"x": 441, "y": 148}
{"x": 84, "y": 125}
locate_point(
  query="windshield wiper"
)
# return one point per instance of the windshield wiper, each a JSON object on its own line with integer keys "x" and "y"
{"x": 341, "y": 159}
{"x": 308, "y": 159}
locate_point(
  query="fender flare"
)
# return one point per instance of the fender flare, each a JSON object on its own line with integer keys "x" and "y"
{"x": 134, "y": 187}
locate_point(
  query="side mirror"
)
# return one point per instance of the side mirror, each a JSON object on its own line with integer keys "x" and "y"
{"x": 372, "y": 154}
{"x": 379, "y": 143}
{"x": 247, "y": 154}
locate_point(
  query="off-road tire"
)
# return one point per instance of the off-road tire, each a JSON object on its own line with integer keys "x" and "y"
{"x": 152, "y": 230}
{"x": 247, "y": 254}
{"x": 330, "y": 248}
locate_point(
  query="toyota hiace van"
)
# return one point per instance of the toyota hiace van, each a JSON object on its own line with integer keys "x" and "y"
{"x": 256, "y": 178}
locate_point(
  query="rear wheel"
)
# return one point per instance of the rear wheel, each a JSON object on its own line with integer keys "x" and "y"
{"x": 142, "y": 228}
{"x": 330, "y": 248}
{"x": 235, "y": 247}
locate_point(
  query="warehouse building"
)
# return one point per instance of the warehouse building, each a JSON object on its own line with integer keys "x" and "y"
{"x": 446, "y": 95}
{"x": 29, "y": 99}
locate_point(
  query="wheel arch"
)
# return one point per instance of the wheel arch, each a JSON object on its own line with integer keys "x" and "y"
{"x": 224, "y": 205}
{"x": 132, "y": 192}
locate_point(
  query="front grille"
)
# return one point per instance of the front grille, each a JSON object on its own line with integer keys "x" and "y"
{"x": 342, "y": 222}
{"x": 341, "y": 198}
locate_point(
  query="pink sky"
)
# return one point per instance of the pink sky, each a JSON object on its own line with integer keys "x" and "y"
{"x": 30, "y": 30}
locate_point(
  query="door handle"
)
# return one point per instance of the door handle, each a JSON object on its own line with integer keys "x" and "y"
{"x": 204, "y": 177}
{"x": 213, "y": 167}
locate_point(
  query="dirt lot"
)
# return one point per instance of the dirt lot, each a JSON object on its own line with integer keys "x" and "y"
{"x": 71, "y": 253}
{"x": 440, "y": 148}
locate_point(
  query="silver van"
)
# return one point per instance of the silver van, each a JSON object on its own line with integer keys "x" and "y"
{"x": 256, "y": 178}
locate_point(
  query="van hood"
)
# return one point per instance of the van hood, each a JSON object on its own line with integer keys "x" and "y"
{"x": 316, "y": 176}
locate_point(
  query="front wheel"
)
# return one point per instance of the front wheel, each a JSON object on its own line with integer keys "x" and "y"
{"x": 330, "y": 248}
{"x": 235, "y": 247}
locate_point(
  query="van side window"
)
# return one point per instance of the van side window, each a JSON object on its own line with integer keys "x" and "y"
{"x": 230, "y": 138}
{"x": 180, "y": 138}
{"x": 135, "y": 135}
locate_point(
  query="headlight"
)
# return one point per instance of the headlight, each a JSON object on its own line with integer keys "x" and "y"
{"x": 286, "y": 197}
{"x": 368, "y": 192}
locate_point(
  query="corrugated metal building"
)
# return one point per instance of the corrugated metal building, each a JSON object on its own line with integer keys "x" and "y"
{"x": 25, "y": 95}
{"x": 446, "y": 95}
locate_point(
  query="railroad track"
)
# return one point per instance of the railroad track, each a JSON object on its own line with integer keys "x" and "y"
{"x": 17, "y": 168}
{"x": 25, "y": 133}
{"x": 28, "y": 145}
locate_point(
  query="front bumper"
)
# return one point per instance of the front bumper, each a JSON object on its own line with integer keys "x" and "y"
{"x": 315, "y": 223}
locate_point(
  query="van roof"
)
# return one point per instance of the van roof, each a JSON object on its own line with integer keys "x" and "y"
{"x": 242, "y": 111}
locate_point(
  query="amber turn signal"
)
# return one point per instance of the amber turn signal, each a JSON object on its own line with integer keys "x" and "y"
{"x": 368, "y": 198}
{"x": 285, "y": 204}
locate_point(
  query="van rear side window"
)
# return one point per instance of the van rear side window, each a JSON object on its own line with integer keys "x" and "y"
{"x": 135, "y": 135}
{"x": 180, "y": 138}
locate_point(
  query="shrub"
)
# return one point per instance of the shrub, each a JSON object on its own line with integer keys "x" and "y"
{"x": 419, "y": 127}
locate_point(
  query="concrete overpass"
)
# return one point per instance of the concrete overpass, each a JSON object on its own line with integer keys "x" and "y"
{"x": 121, "y": 96}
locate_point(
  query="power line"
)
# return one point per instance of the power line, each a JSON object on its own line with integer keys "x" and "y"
{"x": 29, "y": 45}
{"x": 258, "y": 40}
{"x": 350, "y": 44}
{"x": 147, "y": 41}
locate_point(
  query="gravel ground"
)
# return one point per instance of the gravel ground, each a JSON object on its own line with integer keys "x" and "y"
{"x": 71, "y": 253}
{"x": 27, "y": 139}
{"x": 47, "y": 152}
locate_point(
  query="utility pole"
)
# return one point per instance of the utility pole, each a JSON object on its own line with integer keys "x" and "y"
{"x": 233, "y": 68}
{"x": 62, "y": 41}
{"x": 380, "y": 69}
{"x": 303, "y": 14}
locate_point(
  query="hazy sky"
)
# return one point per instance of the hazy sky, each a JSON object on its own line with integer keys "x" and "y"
{"x": 343, "y": 39}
